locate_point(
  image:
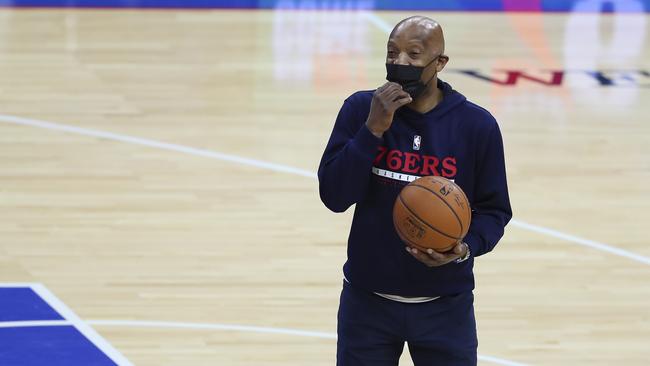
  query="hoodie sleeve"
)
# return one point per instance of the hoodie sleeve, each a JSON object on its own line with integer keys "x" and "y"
{"x": 491, "y": 209}
{"x": 345, "y": 168}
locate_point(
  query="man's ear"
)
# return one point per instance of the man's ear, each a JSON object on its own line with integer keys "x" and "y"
{"x": 442, "y": 62}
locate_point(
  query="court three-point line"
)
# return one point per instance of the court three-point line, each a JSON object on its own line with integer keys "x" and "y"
{"x": 287, "y": 169}
{"x": 155, "y": 144}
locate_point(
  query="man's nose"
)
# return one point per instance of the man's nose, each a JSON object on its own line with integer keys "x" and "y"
{"x": 402, "y": 59}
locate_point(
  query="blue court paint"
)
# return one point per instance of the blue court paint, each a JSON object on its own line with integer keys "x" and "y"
{"x": 51, "y": 346}
{"x": 605, "y": 6}
{"x": 36, "y": 328}
{"x": 23, "y": 304}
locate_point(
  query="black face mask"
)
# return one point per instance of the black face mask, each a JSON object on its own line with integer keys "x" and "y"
{"x": 408, "y": 76}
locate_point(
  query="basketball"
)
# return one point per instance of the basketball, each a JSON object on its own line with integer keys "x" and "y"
{"x": 432, "y": 213}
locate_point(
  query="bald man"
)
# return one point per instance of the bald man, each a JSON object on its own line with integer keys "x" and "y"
{"x": 414, "y": 125}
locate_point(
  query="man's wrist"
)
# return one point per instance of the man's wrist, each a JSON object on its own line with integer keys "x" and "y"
{"x": 376, "y": 133}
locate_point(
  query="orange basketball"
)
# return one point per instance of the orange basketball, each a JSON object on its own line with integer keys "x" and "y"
{"x": 432, "y": 212}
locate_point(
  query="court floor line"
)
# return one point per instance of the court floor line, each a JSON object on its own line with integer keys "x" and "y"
{"x": 248, "y": 328}
{"x": 81, "y": 326}
{"x": 211, "y": 326}
{"x": 71, "y": 319}
{"x": 291, "y": 170}
{"x": 157, "y": 144}
{"x": 35, "y": 323}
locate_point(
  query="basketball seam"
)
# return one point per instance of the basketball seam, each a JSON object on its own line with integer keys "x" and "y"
{"x": 469, "y": 208}
{"x": 445, "y": 202}
{"x": 424, "y": 222}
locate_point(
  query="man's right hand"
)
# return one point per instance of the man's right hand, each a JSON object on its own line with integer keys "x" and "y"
{"x": 385, "y": 101}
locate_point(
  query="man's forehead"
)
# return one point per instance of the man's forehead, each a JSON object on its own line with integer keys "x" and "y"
{"x": 421, "y": 38}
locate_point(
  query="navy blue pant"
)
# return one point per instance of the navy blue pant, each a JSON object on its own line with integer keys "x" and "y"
{"x": 372, "y": 330}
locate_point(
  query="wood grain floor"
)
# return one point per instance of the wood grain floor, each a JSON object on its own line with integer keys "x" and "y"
{"x": 123, "y": 231}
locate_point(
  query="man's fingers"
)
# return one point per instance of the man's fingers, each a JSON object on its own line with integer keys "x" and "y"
{"x": 422, "y": 257}
{"x": 388, "y": 88}
{"x": 393, "y": 90}
{"x": 436, "y": 255}
{"x": 403, "y": 100}
{"x": 393, "y": 84}
{"x": 442, "y": 258}
{"x": 393, "y": 95}
{"x": 401, "y": 94}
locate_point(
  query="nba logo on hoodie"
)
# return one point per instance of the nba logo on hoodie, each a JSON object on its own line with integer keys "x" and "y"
{"x": 416, "y": 142}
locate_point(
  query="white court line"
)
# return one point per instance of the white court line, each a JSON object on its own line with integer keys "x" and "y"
{"x": 157, "y": 144}
{"x": 81, "y": 326}
{"x": 34, "y": 323}
{"x": 248, "y": 328}
{"x": 17, "y": 284}
{"x": 287, "y": 169}
{"x": 584, "y": 242}
{"x": 212, "y": 326}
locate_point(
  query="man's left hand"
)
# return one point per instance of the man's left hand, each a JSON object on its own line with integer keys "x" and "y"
{"x": 435, "y": 259}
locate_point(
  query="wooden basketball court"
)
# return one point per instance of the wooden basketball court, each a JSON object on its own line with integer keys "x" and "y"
{"x": 157, "y": 174}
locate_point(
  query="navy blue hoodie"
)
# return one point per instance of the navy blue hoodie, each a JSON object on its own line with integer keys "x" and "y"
{"x": 457, "y": 140}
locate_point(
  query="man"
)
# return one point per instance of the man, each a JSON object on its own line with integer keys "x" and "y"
{"x": 414, "y": 125}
